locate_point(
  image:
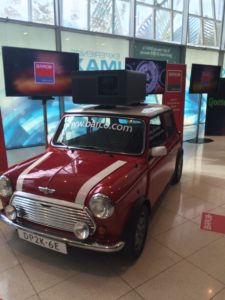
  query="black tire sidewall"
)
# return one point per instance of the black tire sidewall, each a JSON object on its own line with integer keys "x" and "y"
{"x": 130, "y": 249}
{"x": 178, "y": 168}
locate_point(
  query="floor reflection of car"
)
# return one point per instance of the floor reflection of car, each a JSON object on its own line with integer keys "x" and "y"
{"x": 96, "y": 184}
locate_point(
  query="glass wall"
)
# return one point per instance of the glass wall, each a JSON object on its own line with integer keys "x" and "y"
{"x": 162, "y": 20}
{"x": 223, "y": 67}
{"x": 159, "y": 20}
{"x": 192, "y": 100}
{"x": 205, "y": 22}
{"x": 106, "y": 16}
{"x": 37, "y": 11}
{"x": 22, "y": 117}
{"x": 74, "y": 14}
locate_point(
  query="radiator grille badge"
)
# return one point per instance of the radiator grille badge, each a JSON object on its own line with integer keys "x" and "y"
{"x": 46, "y": 190}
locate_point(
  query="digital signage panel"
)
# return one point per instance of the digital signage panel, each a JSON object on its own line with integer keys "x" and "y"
{"x": 204, "y": 79}
{"x": 155, "y": 73}
{"x": 31, "y": 72}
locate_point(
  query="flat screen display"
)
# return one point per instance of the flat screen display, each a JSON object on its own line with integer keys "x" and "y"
{"x": 155, "y": 73}
{"x": 31, "y": 72}
{"x": 204, "y": 79}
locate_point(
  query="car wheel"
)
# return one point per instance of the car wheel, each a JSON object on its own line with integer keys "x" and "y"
{"x": 178, "y": 168}
{"x": 137, "y": 232}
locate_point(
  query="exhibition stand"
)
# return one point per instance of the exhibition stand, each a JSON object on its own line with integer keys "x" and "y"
{"x": 198, "y": 140}
{"x": 45, "y": 116}
{"x": 175, "y": 92}
{"x": 215, "y": 111}
{"x": 204, "y": 80}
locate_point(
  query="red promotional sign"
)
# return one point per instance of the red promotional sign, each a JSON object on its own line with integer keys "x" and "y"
{"x": 3, "y": 157}
{"x": 212, "y": 222}
{"x": 175, "y": 92}
{"x": 44, "y": 72}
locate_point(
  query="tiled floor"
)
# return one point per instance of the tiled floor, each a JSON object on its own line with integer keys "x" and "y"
{"x": 180, "y": 261}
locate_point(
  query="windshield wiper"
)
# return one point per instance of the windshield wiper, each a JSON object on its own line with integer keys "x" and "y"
{"x": 66, "y": 145}
{"x": 88, "y": 147}
{"x": 91, "y": 147}
{"x": 98, "y": 149}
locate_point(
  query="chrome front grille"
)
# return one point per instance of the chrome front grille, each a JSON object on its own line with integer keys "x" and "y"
{"x": 50, "y": 214}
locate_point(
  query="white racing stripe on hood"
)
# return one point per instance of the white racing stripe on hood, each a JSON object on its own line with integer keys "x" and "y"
{"x": 20, "y": 180}
{"x": 87, "y": 186}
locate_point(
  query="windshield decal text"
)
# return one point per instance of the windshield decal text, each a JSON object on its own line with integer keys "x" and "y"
{"x": 99, "y": 125}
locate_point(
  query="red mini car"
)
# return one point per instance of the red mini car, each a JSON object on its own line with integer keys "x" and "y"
{"x": 96, "y": 184}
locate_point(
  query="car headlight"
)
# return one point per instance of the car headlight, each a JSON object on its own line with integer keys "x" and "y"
{"x": 101, "y": 206}
{"x": 5, "y": 186}
{"x": 10, "y": 212}
{"x": 81, "y": 230}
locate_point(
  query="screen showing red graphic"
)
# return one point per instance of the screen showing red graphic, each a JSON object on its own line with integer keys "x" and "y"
{"x": 31, "y": 72}
{"x": 204, "y": 79}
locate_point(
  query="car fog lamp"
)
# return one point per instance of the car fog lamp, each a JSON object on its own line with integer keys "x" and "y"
{"x": 81, "y": 230}
{"x": 10, "y": 212}
{"x": 5, "y": 186}
{"x": 101, "y": 206}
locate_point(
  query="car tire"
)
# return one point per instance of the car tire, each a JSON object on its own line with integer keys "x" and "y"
{"x": 136, "y": 233}
{"x": 178, "y": 168}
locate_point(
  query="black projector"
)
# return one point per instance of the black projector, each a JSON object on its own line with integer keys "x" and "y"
{"x": 119, "y": 87}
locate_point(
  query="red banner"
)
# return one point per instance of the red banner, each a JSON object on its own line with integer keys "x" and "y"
{"x": 212, "y": 222}
{"x": 175, "y": 92}
{"x": 3, "y": 157}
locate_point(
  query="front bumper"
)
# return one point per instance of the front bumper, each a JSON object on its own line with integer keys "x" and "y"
{"x": 74, "y": 243}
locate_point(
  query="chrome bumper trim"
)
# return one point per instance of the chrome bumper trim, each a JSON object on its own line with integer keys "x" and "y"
{"x": 90, "y": 246}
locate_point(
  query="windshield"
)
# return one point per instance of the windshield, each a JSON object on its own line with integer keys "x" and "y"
{"x": 101, "y": 133}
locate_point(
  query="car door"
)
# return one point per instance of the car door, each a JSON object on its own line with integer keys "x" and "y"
{"x": 159, "y": 167}
{"x": 172, "y": 141}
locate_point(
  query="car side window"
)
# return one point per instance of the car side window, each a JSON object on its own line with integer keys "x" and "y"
{"x": 169, "y": 123}
{"x": 157, "y": 134}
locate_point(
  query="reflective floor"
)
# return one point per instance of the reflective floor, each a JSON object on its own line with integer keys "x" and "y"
{"x": 180, "y": 261}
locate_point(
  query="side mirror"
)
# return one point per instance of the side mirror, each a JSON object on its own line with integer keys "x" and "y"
{"x": 158, "y": 151}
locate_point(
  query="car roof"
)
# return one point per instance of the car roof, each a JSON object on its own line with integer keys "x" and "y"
{"x": 142, "y": 110}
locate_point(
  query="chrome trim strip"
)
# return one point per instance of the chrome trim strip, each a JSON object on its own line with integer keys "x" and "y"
{"x": 20, "y": 180}
{"x": 88, "y": 185}
{"x": 46, "y": 199}
{"x": 89, "y": 246}
{"x": 86, "y": 209}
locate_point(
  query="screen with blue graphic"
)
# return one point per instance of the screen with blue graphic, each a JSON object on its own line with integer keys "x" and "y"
{"x": 155, "y": 73}
{"x": 31, "y": 72}
{"x": 23, "y": 127}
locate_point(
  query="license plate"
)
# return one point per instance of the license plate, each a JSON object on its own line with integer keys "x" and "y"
{"x": 42, "y": 241}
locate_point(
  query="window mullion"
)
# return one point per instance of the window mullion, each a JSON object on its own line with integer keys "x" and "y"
{"x": 154, "y": 22}
{"x": 89, "y": 15}
{"x": 29, "y": 10}
{"x": 185, "y": 22}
